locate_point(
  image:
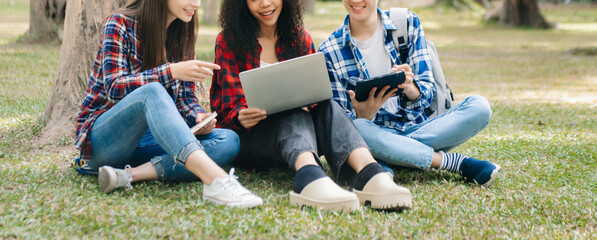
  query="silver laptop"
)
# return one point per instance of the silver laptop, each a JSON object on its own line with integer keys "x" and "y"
{"x": 293, "y": 83}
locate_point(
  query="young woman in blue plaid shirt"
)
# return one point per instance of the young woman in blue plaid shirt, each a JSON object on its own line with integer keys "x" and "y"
{"x": 396, "y": 128}
{"x": 140, "y": 102}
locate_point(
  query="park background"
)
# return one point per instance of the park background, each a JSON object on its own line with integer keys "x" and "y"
{"x": 541, "y": 83}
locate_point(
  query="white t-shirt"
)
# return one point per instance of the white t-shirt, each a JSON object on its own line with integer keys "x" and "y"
{"x": 377, "y": 60}
{"x": 264, "y": 64}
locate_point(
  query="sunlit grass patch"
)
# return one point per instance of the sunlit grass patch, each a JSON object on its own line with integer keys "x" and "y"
{"x": 543, "y": 133}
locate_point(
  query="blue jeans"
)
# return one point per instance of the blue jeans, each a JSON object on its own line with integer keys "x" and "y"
{"x": 146, "y": 126}
{"x": 415, "y": 146}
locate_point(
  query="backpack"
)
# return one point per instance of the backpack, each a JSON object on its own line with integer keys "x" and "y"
{"x": 443, "y": 98}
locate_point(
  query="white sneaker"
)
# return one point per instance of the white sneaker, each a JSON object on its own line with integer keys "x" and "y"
{"x": 110, "y": 178}
{"x": 228, "y": 191}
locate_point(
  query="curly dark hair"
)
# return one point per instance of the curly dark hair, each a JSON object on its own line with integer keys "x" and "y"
{"x": 241, "y": 29}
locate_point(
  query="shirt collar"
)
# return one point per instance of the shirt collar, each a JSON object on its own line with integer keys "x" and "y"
{"x": 388, "y": 25}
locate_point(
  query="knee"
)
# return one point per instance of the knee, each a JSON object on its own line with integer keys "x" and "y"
{"x": 296, "y": 117}
{"x": 231, "y": 143}
{"x": 361, "y": 123}
{"x": 480, "y": 107}
{"x": 365, "y": 128}
{"x": 156, "y": 95}
{"x": 152, "y": 87}
{"x": 231, "y": 138}
{"x": 154, "y": 90}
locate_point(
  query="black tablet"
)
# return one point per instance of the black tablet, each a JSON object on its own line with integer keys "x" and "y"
{"x": 364, "y": 87}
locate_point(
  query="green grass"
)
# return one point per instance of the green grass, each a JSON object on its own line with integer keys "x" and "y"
{"x": 543, "y": 133}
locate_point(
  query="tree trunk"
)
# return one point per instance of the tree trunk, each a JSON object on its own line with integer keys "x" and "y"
{"x": 520, "y": 13}
{"x": 82, "y": 26}
{"x": 309, "y": 6}
{"x": 46, "y": 19}
{"x": 210, "y": 11}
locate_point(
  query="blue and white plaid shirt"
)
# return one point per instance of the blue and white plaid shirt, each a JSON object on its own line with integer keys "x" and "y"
{"x": 346, "y": 67}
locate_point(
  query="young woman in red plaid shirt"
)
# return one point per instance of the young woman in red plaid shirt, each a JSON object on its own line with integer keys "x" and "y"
{"x": 261, "y": 32}
{"x": 140, "y": 103}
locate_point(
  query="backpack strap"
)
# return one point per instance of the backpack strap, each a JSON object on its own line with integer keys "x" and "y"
{"x": 400, "y": 36}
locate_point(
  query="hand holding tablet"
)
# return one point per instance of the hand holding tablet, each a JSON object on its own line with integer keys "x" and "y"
{"x": 392, "y": 79}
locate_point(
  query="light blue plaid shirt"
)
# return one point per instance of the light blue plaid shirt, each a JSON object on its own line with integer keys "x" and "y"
{"x": 346, "y": 67}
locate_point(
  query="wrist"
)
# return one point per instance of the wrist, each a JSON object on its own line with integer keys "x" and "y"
{"x": 366, "y": 116}
{"x": 412, "y": 93}
{"x": 173, "y": 72}
{"x": 236, "y": 121}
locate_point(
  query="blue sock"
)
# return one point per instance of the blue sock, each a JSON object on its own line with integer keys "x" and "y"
{"x": 451, "y": 161}
{"x": 306, "y": 175}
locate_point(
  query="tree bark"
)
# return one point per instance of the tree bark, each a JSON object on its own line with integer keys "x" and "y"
{"x": 309, "y": 6}
{"x": 82, "y": 27}
{"x": 210, "y": 11}
{"x": 519, "y": 13}
{"x": 46, "y": 19}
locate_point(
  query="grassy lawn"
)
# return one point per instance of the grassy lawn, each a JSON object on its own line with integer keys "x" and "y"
{"x": 543, "y": 133}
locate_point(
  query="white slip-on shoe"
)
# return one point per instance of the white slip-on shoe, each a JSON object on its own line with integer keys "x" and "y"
{"x": 383, "y": 193}
{"x": 228, "y": 191}
{"x": 325, "y": 194}
{"x": 110, "y": 178}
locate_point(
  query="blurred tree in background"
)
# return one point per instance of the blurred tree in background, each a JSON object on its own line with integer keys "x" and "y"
{"x": 519, "y": 13}
{"x": 210, "y": 11}
{"x": 46, "y": 19}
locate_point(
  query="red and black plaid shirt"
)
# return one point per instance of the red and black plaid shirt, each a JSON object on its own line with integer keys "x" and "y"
{"x": 116, "y": 73}
{"x": 226, "y": 94}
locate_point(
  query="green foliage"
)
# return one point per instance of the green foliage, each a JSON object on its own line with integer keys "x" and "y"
{"x": 543, "y": 133}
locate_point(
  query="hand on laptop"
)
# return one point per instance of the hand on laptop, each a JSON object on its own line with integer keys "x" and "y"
{"x": 192, "y": 70}
{"x": 249, "y": 117}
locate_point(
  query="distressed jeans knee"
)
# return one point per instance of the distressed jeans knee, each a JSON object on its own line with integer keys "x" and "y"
{"x": 184, "y": 153}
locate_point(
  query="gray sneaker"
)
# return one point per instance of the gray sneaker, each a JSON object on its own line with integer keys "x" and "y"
{"x": 228, "y": 191}
{"x": 111, "y": 178}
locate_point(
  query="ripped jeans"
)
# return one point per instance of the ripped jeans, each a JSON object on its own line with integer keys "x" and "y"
{"x": 146, "y": 126}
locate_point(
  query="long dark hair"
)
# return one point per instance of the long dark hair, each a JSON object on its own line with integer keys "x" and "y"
{"x": 158, "y": 44}
{"x": 241, "y": 29}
